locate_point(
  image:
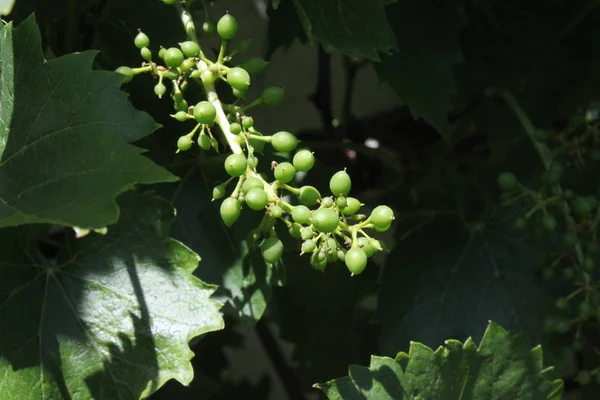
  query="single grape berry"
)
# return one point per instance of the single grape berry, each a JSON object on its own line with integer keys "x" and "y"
{"x": 276, "y": 212}
{"x": 247, "y": 122}
{"x": 141, "y": 40}
{"x": 219, "y": 192}
{"x": 146, "y": 53}
{"x": 238, "y": 79}
{"x": 365, "y": 244}
{"x": 507, "y": 181}
{"x": 184, "y": 143}
{"x": 301, "y": 214}
{"x": 326, "y": 202}
{"x": 169, "y": 2}
{"x": 554, "y": 174}
{"x": 126, "y": 72}
{"x": 309, "y": 196}
{"x": 252, "y": 162}
{"x": 205, "y": 112}
{"x": 209, "y": 27}
{"x": 309, "y": 246}
{"x": 235, "y": 128}
{"x": 187, "y": 64}
{"x": 236, "y": 164}
{"x": 570, "y": 240}
{"x": 250, "y": 183}
{"x": 584, "y": 377}
{"x": 562, "y": 303}
{"x": 581, "y": 205}
{"x": 307, "y": 233}
{"x": 181, "y": 106}
{"x": 257, "y": 199}
{"x": 285, "y": 172}
{"x": 352, "y": 206}
{"x": 230, "y": 210}
{"x": 227, "y": 27}
{"x": 272, "y": 249}
{"x": 173, "y": 57}
{"x": 294, "y": 230}
{"x": 356, "y": 260}
{"x": 317, "y": 261}
{"x": 190, "y": 49}
{"x": 303, "y": 160}
{"x": 204, "y": 141}
{"x": 172, "y": 74}
{"x": 181, "y": 116}
{"x": 340, "y": 184}
{"x": 160, "y": 89}
{"x": 588, "y": 264}
{"x": 284, "y": 141}
{"x": 520, "y": 223}
{"x": 254, "y": 65}
{"x": 325, "y": 220}
{"x": 341, "y": 202}
{"x": 382, "y": 217}
{"x": 272, "y": 96}
{"x": 549, "y": 223}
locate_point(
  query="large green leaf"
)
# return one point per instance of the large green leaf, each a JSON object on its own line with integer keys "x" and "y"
{"x": 421, "y": 72}
{"x": 356, "y": 28}
{"x": 113, "y": 322}
{"x": 449, "y": 277}
{"x": 67, "y": 157}
{"x": 501, "y": 368}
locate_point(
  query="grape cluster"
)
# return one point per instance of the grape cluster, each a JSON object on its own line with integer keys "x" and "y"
{"x": 331, "y": 228}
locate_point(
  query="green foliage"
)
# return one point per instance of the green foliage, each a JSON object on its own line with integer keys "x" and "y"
{"x": 499, "y": 368}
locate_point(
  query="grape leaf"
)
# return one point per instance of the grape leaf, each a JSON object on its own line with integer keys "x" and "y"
{"x": 243, "y": 277}
{"x": 356, "y": 28}
{"x": 455, "y": 276}
{"x": 113, "y": 322}
{"x": 6, "y": 6}
{"x": 421, "y": 71}
{"x": 500, "y": 368}
{"x": 66, "y": 157}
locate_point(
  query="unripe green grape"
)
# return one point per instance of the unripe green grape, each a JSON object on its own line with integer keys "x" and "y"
{"x": 141, "y": 40}
{"x": 219, "y": 192}
{"x": 508, "y": 181}
{"x": 253, "y": 237}
{"x": 303, "y": 160}
{"x": 272, "y": 249}
{"x": 341, "y": 202}
{"x": 284, "y": 141}
{"x": 327, "y": 202}
{"x": 209, "y": 27}
{"x": 181, "y": 116}
{"x": 240, "y": 94}
{"x": 295, "y": 230}
{"x": 285, "y": 172}
{"x": 252, "y": 182}
{"x": 160, "y": 89}
{"x": 549, "y": 223}
{"x": 190, "y": 48}
{"x": 340, "y": 184}
{"x": 126, "y": 72}
{"x": 169, "y": 2}
{"x": 238, "y": 78}
{"x": 182, "y": 106}
{"x": 562, "y": 303}
{"x": 272, "y": 96}
{"x": 242, "y": 198}
{"x": 184, "y": 143}
{"x": 309, "y": 196}
{"x": 307, "y": 233}
{"x": 173, "y": 57}
{"x": 317, "y": 262}
{"x": 554, "y": 174}
{"x": 341, "y": 254}
{"x": 365, "y": 244}
{"x": 568, "y": 273}
{"x": 254, "y": 65}
{"x": 332, "y": 244}
{"x": 205, "y": 112}
{"x": 230, "y": 210}
{"x": 588, "y": 264}
{"x": 301, "y": 214}
{"x": 584, "y": 377}
{"x": 520, "y": 223}
{"x": 172, "y": 74}
{"x": 204, "y": 141}
{"x": 257, "y": 199}
{"x": 252, "y": 162}
{"x": 586, "y": 310}
{"x": 581, "y": 205}
{"x": 247, "y": 122}
{"x": 352, "y": 206}
{"x": 235, "y": 128}
{"x": 382, "y": 217}
{"x": 356, "y": 260}
{"x": 146, "y": 53}
{"x": 309, "y": 246}
{"x": 227, "y": 27}
{"x": 236, "y": 164}
{"x": 187, "y": 64}
{"x": 570, "y": 240}
{"x": 276, "y": 211}
{"x": 325, "y": 220}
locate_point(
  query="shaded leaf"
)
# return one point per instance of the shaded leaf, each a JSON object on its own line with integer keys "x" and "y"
{"x": 113, "y": 322}
{"x": 500, "y": 368}
{"x": 66, "y": 157}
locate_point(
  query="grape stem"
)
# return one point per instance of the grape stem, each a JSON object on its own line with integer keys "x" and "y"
{"x": 545, "y": 156}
